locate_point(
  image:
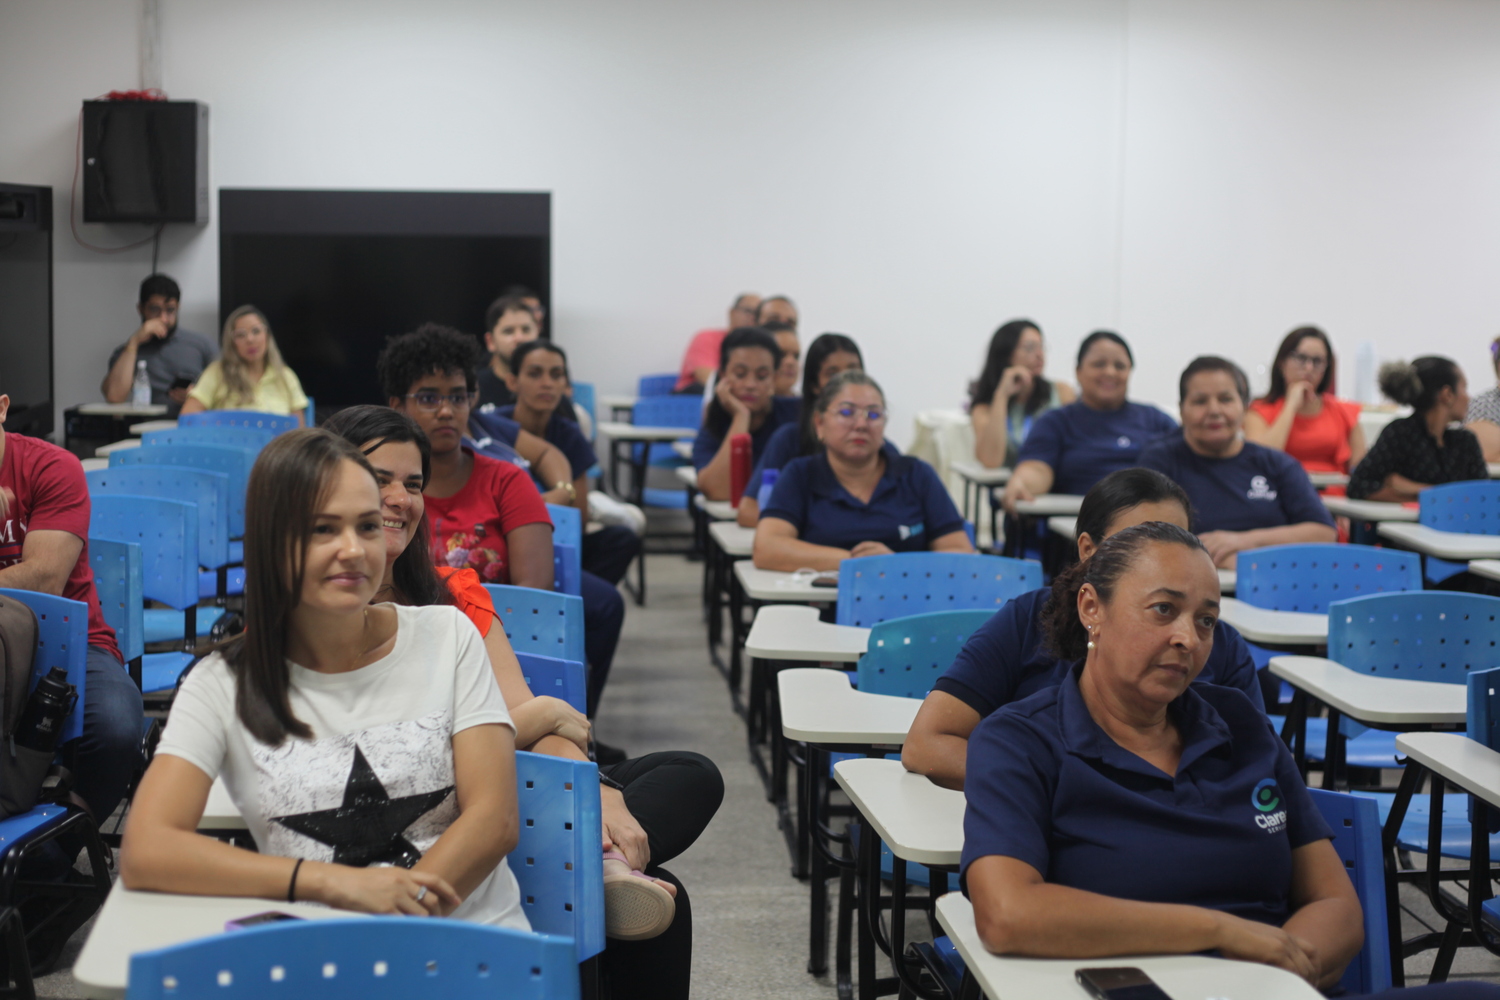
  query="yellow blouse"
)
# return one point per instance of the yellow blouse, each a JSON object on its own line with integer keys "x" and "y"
{"x": 281, "y": 395}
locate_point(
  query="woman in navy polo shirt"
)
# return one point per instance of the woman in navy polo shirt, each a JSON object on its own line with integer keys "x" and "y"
{"x": 540, "y": 381}
{"x": 852, "y": 499}
{"x": 1127, "y": 811}
{"x": 745, "y": 402}
{"x": 1071, "y": 448}
{"x": 1247, "y": 496}
{"x": 1005, "y": 660}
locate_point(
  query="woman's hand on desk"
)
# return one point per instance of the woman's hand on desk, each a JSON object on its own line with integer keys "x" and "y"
{"x": 1251, "y": 941}
{"x": 1015, "y": 490}
{"x": 870, "y": 549}
{"x": 377, "y": 890}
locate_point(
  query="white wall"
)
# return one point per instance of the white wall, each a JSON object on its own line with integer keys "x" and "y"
{"x": 1200, "y": 175}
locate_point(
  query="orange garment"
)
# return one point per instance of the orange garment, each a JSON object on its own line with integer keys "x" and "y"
{"x": 469, "y": 596}
{"x": 1320, "y": 443}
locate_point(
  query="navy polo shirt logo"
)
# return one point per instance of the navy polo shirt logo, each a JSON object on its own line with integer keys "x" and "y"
{"x": 1260, "y": 489}
{"x": 1123, "y": 441}
{"x": 908, "y": 532}
{"x": 1266, "y": 799}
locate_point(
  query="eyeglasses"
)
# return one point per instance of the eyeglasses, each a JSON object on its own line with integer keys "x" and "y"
{"x": 431, "y": 401}
{"x": 1307, "y": 360}
{"x": 873, "y": 414}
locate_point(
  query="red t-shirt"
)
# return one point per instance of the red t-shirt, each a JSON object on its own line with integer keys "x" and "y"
{"x": 702, "y": 352}
{"x": 469, "y": 528}
{"x": 1320, "y": 443}
{"x": 51, "y": 495}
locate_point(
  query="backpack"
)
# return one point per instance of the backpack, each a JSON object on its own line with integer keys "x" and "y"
{"x": 22, "y": 770}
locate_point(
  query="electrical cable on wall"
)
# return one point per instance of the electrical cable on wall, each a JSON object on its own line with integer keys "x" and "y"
{"x": 154, "y": 238}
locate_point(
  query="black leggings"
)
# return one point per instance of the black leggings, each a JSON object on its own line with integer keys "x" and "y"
{"x": 673, "y": 795}
{"x": 1439, "y": 991}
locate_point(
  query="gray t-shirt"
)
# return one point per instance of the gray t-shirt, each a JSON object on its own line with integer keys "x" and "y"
{"x": 182, "y": 355}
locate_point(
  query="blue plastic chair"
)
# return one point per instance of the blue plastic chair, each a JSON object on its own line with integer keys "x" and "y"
{"x": 360, "y": 959}
{"x": 1356, "y": 838}
{"x": 62, "y": 640}
{"x": 254, "y": 438}
{"x": 233, "y": 462}
{"x": 540, "y": 621}
{"x": 656, "y": 385}
{"x": 557, "y": 860}
{"x": 878, "y": 588}
{"x": 274, "y": 422}
{"x": 117, "y": 581}
{"x": 907, "y": 655}
{"x": 567, "y": 548}
{"x": 584, "y": 396}
{"x": 666, "y": 411}
{"x": 1471, "y": 507}
{"x": 548, "y": 675}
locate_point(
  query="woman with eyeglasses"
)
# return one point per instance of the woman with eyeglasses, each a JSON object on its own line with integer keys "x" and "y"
{"x": 1483, "y": 418}
{"x": 853, "y": 499}
{"x": 1300, "y": 415}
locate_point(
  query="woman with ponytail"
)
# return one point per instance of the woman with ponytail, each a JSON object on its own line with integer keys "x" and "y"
{"x": 1421, "y": 450}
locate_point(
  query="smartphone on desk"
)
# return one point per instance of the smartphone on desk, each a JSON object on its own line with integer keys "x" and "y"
{"x": 259, "y": 919}
{"x": 1119, "y": 983}
{"x": 825, "y": 580}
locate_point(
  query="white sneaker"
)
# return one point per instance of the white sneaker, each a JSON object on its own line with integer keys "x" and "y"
{"x": 607, "y": 510}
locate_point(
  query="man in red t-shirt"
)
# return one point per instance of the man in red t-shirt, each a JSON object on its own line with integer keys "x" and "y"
{"x": 44, "y": 530}
{"x": 701, "y": 359}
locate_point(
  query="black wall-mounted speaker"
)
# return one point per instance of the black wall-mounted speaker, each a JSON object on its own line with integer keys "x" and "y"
{"x": 145, "y": 161}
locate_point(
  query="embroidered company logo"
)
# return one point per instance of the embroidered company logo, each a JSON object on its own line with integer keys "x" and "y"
{"x": 1123, "y": 441}
{"x": 1260, "y": 490}
{"x": 1266, "y": 799}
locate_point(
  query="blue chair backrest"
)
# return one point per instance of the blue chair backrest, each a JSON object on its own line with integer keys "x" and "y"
{"x": 166, "y": 531}
{"x": 379, "y": 958}
{"x": 1310, "y": 577}
{"x": 1433, "y": 635}
{"x": 549, "y": 675}
{"x": 208, "y": 490}
{"x": 254, "y": 438}
{"x": 540, "y": 621}
{"x": 878, "y": 588}
{"x": 233, "y": 462}
{"x": 657, "y": 385}
{"x": 1355, "y": 822}
{"x": 583, "y": 395}
{"x": 567, "y": 548}
{"x": 118, "y": 580}
{"x": 275, "y": 422}
{"x": 668, "y": 411}
{"x": 906, "y": 655}
{"x": 1469, "y": 508}
{"x": 1484, "y": 707}
{"x": 567, "y": 524}
{"x": 62, "y": 640}
{"x": 557, "y": 860}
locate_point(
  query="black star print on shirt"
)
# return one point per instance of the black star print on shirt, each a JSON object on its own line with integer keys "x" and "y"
{"x": 367, "y": 828}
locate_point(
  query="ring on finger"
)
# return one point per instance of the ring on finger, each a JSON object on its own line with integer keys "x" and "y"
{"x": 421, "y": 893}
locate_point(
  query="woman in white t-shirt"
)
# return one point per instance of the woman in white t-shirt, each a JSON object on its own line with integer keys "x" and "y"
{"x": 367, "y": 746}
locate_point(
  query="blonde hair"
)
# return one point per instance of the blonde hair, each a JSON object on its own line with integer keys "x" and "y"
{"x": 238, "y": 390}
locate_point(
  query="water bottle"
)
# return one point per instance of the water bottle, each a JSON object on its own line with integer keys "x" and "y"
{"x": 46, "y": 710}
{"x": 140, "y": 391}
{"x": 768, "y": 479}
{"x": 741, "y": 458}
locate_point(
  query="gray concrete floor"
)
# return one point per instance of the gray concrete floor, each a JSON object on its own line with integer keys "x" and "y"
{"x": 750, "y": 915}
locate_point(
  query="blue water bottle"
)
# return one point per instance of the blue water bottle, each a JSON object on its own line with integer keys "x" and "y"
{"x": 767, "y": 483}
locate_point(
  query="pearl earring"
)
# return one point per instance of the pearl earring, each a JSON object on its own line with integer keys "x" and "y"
{"x": 1091, "y": 640}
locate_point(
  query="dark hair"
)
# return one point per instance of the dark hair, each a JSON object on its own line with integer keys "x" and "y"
{"x": 1067, "y": 639}
{"x": 509, "y": 302}
{"x": 775, "y": 326}
{"x": 431, "y": 349}
{"x": 820, "y": 350}
{"x": 839, "y": 382}
{"x": 1213, "y": 363}
{"x": 741, "y": 298}
{"x": 773, "y": 298}
{"x": 523, "y": 350}
{"x": 290, "y": 479}
{"x": 1002, "y": 349}
{"x": 367, "y": 428}
{"x": 1417, "y": 384}
{"x": 521, "y": 292}
{"x": 1288, "y": 347}
{"x": 1099, "y": 335}
{"x": 717, "y": 418}
{"x": 1120, "y": 491}
{"x": 159, "y": 284}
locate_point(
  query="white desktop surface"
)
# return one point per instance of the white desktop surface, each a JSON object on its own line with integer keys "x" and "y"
{"x": 220, "y": 812}
{"x": 1369, "y": 510}
{"x": 684, "y": 449}
{"x": 819, "y": 706}
{"x": 1049, "y": 504}
{"x": 976, "y": 473}
{"x": 1323, "y": 479}
{"x": 734, "y": 540}
{"x": 1467, "y": 763}
{"x": 131, "y": 922}
{"x": 1282, "y": 628}
{"x": 123, "y": 409}
{"x": 793, "y": 632}
{"x": 146, "y": 426}
{"x": 1182, "y": 977}
{"x": 773, "y": 585}
{"x": 630, "y": 432}
{"x": 685, "y": 474}
{"x": 1487, "y": 568}
{"x": 104, "y": 450}
{"x": 1494, "y": 470}
{"x": 94, "y": 464}
{"x": 918, "y": 821}
{"x": 1387, "y": 701}
{"x": 1442, "y": 544}
{"x": 1065, "y": 525}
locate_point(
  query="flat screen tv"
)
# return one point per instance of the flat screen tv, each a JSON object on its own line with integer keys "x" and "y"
{"x": 26, "y": 307}
{"x": 339, "y": 272}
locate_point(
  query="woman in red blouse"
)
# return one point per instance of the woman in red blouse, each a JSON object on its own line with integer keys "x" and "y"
{"x": 1300, "y": 415}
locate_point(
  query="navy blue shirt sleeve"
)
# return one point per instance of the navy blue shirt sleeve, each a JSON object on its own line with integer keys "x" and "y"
{"x": 1008, "y": 791}
{"x": 938, "y": 511}
{"x": 1231, "y": 665}
{"x": 1299, "y": 501}
{"x": 988, "y": 669}
{"x": 781, "y": 449}
{"x": 790, "y": 497}
{"x": 568, "y": 439}
{"x": 1045, "y": 442}
{"x": 705, "y": 447}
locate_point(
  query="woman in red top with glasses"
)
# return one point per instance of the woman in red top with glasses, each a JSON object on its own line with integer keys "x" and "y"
{"x": 1300, "y": 415}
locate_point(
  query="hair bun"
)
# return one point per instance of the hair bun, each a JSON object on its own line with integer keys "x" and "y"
{"x": 1399, "y": 380}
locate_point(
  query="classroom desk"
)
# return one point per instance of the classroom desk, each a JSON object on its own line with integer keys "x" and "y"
{"x": 618, "y": 404}
{"x": 717, "y": 510}
{"x": 94, "y": 464}
{"x": 146, "y": 426}
{"x": 131, "y": 922}
{"x": 1493, "y": 469}
{"x": 104, "y": 450}
{"x": 1467, "y": 763}
{"x": 1369, "y": 510}
{"x": 1451, "y": 545}
{"x": 219, "y": 812}
{"x": 978, "y": 482}
{"x": 683, "y": 449}
{"x": 726, "y": 544}
{"x": 1487, "y": 568}
{"x": 1323, "y": 480}
{"x": 794, "y": 632}
{"x": 1182, "y": 977}
{"x": 686, "y": 474}
{"x": 122, "y": 409}
{"x": 627, "y": 435}
{"x": 735, "y": 541}
{"x": 1028, "y": 512}
{"x": 784, "y": 588}
{"x": 1050, "y": 504}
{"x": 1274, "y": 628}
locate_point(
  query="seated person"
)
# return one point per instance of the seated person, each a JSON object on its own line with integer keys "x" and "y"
{"x": 324, "y": 695}
{"x": 830, "y": 354}
{"x": 540, "y": 380}
{"x": 1073, "y": 447}
{"x": 853, "y": 499}
{"x": 744, "y": 402}
{"x": 1115, "y": 813}
{"x": 510, "y": 321}
{"x": 1483, "y": 418}
{"x": 653, "y": 808}
{"x": 1421, "y": 450}
{"x": 1005, "y": 660}
{"x": 791, "y": 355}
{"x": 1300, "y": 415}
{"x": 486, "y": 514}
{"x": 1012, "y": 393}
{"x": 1247, "y": 496}
{"x": 776, "y": 309}
{"x": 701, "y": 359}
{"x": 174, "y": 357}
{"x": 249, "y": 374}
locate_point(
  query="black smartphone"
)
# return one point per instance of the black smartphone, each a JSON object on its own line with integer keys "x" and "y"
{"x": 181, "y": 383}
{"x": 825, "y": 581}
{"x": 1119, "y": 983}
{"x": 268, "y": 917}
